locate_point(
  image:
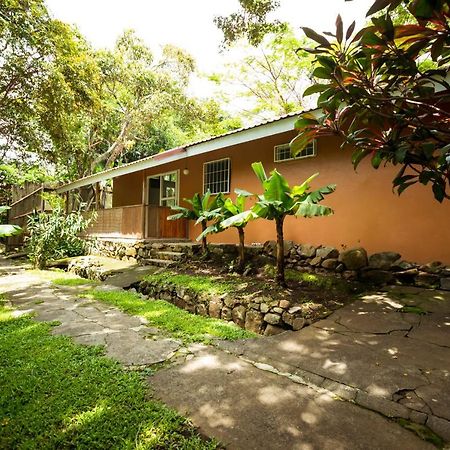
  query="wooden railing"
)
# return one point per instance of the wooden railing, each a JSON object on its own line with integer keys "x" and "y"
{"x": 120, "y": 222}
{"x": 159, "y": 227}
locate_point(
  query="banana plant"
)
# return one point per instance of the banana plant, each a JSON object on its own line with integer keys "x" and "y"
{"x": 279, "y": 200}
{"x": 203, "y": 209}
{"x": 229, "y": 209}
{"x": 8, "y": 230}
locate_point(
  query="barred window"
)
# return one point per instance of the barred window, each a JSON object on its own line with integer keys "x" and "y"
{"x": 216, "y": 176}
{"x": 283, "y": 152}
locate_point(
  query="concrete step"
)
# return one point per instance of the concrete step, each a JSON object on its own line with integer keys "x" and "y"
{"x": 169, "y": 255}
{"x": 158, "y": 262}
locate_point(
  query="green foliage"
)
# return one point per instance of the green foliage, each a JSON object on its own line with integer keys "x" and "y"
{"x": 384, "y": 90}
{"x": 82, "y": 110}
{"x": 196, "y": 283}
{"x": 55, "y": 234}
{"x": 270, "y": 78}
{"x": 73, "y": 397}
{"x": 180, "y": 323}
{"x": 250, "y": 21}
{"x": 279, "y": 200}
{"x": 203, "y": 208}
{"x": 7, "y": 230}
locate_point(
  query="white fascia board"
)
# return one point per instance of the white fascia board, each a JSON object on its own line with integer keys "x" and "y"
{"x": 118, "y": 171}
{"x": 252, "y": 134}
{"x": 240, "y": 137}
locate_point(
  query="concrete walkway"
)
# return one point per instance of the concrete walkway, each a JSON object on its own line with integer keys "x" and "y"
{"x": 331, "y": 386}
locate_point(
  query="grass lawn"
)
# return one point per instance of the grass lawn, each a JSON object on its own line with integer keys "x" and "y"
{"x": 181, "y": 324}
{"x": 196, "y": 283}
{"x": 56, "y": 394}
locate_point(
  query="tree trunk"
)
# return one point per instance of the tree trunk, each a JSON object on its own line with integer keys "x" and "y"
{"x": 241, "y": 264}
{"x": 204, "y": 242}
{"x": 280, "y": 279}
{"x": 115, "y": 149}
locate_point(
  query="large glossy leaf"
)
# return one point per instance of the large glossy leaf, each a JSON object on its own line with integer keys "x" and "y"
{"x": 239, "y": 219}
{"x": 9, "y": 230}
{"x": 298, "y": 191}
{"x": 276, "y": 188}
{"x": 307, "y": 209}
{"x": 319, "y": 194}
{"x": 258, "y": 168}
{"x": 316, "y": 37}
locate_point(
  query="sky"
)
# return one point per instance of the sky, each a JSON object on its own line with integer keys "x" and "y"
{"x": 189, "y": 23}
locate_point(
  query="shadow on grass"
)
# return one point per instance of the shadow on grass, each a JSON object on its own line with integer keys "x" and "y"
{"x": 182, "y": 324}
{"x": 55, "y": 394}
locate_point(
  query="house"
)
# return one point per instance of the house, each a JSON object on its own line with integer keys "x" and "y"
{"x": 367, "y": 212}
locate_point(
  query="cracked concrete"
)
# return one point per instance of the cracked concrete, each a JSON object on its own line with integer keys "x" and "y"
{"x": 393, "y": 362}
{"x": 296, "y": 390}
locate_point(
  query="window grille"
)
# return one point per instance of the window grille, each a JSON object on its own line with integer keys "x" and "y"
{"x": 216, "y": 176}
{"x": 283, "y": 152}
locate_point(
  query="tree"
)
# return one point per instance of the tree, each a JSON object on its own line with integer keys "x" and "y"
{"x": 270, "y": 77}
{"x": 375, "y": 95}
{"x": 250, "y": 21}
{"x": 229, "y": 209}
{"x": 203, "y": 209}
{"x": 380, "y": 94}
{"x": 279, "y": 200}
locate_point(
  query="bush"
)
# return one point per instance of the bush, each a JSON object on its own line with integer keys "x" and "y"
{"x": 55, "y": 234}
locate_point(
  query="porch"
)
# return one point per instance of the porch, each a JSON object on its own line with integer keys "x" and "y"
{"x": 137, "y": 222}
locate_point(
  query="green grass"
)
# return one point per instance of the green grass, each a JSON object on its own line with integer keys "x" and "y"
{"x": 423, "y": 432}
{"x": 314, "y": 280}
{"x": 73, "y": 281}
{"x": 412, "y": 309}
{"x": 56, "y": 394}
{"x": 196, "y": 283}
{"x": 181, "y": 324}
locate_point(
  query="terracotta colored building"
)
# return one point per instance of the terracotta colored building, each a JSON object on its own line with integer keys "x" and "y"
{"x": 367, "y": 212}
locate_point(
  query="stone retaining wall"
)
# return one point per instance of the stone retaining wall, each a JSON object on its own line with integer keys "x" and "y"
{"x": 255, "y": 313}
{"x": 352, "y": 264}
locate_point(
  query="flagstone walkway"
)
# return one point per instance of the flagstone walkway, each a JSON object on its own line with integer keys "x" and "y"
{"x": 336, "y": 385}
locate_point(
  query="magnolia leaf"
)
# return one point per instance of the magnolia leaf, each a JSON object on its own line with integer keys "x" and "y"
{"x": 350, "y": 30}
{"x": 339, "y": 29}
{"x": 314, "y": 89}
{"x": 322, "y": 40}
{"x": 378, "y": 6}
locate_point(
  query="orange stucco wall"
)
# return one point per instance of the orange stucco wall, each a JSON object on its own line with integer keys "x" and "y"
{"x": 367, "y": 212}
{"x": 127, "y": 189}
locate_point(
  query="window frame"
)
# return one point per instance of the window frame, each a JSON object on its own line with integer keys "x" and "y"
{"x": 205, "y": 164}
{"x": 314, "y": 143}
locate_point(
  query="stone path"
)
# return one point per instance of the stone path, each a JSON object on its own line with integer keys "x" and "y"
{"x": 126, "y": 338}
{"x": 323, "y": 387}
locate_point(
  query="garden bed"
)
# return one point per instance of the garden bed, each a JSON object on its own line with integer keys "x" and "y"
{"x": 253, "y": 302}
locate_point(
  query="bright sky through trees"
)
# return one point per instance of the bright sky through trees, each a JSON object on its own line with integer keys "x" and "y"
{"x": 189, "y": 24}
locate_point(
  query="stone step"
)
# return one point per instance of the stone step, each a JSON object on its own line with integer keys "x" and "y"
{"x": 158, "y": 262}
{"x": 169, "y": 255}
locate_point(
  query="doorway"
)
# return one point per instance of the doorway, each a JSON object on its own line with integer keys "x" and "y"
{"x": 162, "y": 194}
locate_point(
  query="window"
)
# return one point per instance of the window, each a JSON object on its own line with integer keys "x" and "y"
{"x": 163, "y": 189}
{"x": 216, "y": 176}
{"x": 283, "y": 152}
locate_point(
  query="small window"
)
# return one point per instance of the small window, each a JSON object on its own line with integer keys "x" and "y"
{"x": 283, "y": 152}
{"x": 216, "y": 176}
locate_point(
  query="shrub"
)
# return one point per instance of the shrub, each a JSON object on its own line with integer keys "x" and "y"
{"x": 55, "y": 234}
